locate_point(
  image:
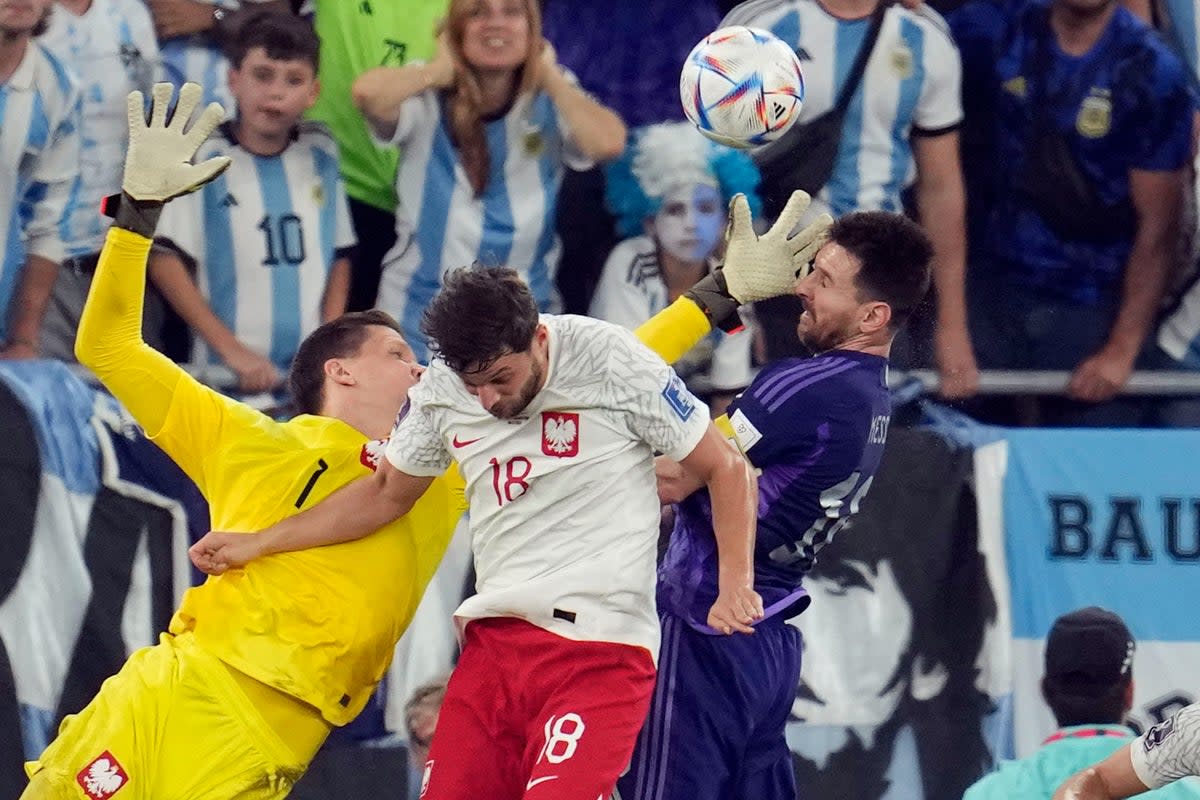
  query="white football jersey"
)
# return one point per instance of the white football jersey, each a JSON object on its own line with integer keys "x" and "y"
{"x": 563, "y": 501}
{"x": 1170, "y": 750}
{"x": 632, "y": 290}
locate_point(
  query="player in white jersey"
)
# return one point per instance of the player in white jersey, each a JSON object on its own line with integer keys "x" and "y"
{"x": 39, "y": 163}
{"x": 269, "y": 239}
{"x": 111, "y": 48}
{"x": 900, "y": 128}
{"x": 554, "y": 421}
{"x": 1168, "y": 752}
{"x": 632, "y": 290}
{"x": 193, "y": 33}
{"x": 487, "y": 129}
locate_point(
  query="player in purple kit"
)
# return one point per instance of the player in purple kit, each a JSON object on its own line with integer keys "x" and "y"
{"x": 815, "y": 428}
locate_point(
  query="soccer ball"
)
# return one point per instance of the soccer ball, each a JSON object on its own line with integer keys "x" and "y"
{"x": 742, "y": 86}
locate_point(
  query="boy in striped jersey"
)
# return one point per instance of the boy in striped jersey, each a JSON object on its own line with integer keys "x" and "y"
{"x": 39, "y": 163}
{"x": 815, "y": 429}
{"x": 270, "y": 239}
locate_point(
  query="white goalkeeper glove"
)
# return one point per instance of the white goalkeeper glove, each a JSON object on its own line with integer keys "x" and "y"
{"x": 158, "y": 164}
{"x": 761, "y": 267}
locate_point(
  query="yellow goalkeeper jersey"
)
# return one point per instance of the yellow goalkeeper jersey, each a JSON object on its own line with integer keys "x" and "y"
{"x": 319, "y": 624}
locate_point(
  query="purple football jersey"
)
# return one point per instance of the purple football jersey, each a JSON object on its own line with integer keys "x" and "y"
{"x": 815, "y": 428}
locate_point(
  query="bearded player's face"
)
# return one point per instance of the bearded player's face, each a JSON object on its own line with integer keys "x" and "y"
{"x": 833, "y": 307}
{"x": 506, "y": 386}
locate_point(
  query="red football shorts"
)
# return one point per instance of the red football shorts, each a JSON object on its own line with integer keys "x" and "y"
{"x": 530, "y": 714}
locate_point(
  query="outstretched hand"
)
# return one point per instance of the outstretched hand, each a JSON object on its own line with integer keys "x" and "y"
{"x": 760, "y": 267}
{"x": 217, "y": 551}
{"x": 158, "y": 164}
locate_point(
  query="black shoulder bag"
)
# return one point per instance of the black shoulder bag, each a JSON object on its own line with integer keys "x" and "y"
{"x": 1052, "y": 181}
{"x": 804, "y": 157}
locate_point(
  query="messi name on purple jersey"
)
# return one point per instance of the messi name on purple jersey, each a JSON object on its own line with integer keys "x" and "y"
{"x": 815, "y": 428}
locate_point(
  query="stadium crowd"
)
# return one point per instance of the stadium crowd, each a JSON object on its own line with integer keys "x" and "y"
{"x": 1047, "y": 147}
{"x": 374, "y": 153}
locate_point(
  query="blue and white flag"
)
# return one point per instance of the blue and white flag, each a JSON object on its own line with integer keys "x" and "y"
{"x": 1107, "y": 518}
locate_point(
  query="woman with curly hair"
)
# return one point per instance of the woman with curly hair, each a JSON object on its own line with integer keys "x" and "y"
{"x": 669, "y": 193}
{"x": 487, "y": 128}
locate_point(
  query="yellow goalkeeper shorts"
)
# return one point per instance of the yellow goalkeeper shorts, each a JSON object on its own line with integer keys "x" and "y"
{"x": 171, "y": 725}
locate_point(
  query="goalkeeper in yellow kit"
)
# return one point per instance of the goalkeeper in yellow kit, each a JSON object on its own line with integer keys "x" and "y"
{"x": 260, "y": 663}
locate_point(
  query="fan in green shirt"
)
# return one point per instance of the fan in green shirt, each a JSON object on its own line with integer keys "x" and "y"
{"x": 357, "y": 35}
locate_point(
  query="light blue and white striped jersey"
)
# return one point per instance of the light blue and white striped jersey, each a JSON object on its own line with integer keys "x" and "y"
{"x": 264, "y": 237}
{"x": 39, "y": 164}
{"x": 112, "y": 50}
{"x": 442, "y": 225}
{"x": 200, "y": 59}
{"x": 911, "y": 83}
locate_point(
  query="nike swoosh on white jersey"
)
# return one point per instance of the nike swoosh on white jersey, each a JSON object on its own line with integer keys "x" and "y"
{"x": 535, "y": 781}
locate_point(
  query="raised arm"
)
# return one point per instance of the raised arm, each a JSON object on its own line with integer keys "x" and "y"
{"x": 755, "y": 268}
{"x": 596, "y": 130}
{"x": 379, "y": 92}
{"x": 157, "y": 167}
{"x": 732, "y": 487}
{"x": 352, "y": 512}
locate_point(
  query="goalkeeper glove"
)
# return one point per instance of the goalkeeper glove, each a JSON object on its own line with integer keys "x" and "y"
{"x": 758, "y": 268}
{"x": 158, "y": 163}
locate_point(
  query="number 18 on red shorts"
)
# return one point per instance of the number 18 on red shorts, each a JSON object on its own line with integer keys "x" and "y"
{"x": 530, "y": 714}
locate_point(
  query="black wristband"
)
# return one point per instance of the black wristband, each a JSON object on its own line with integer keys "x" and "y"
{"x": 137, "y": 216}
{"x": 712, "y": 295}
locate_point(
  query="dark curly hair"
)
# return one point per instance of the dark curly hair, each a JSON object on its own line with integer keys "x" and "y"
{"x": 896, "y": 258}
{"x": 481, "y": 314}
{"x": 284, "y": 37}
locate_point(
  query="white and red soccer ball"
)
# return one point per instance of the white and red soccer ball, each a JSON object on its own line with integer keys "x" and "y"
{"x": 742, "y": 87}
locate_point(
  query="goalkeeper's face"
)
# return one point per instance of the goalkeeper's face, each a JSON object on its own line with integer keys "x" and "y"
{"x": 384, "y": 367}
{"x": 21, "y": 17}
